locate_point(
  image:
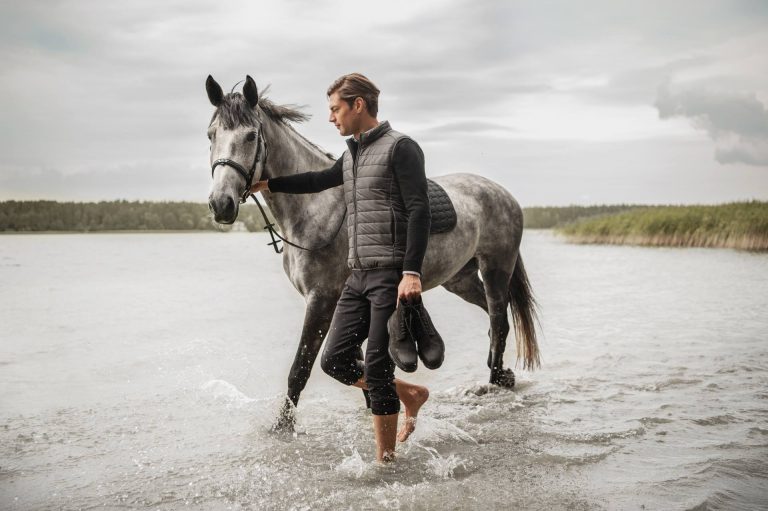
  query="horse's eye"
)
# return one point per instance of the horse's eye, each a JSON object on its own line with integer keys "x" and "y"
{"x": 251, "y": 137}
{"x": 210, "y": 137}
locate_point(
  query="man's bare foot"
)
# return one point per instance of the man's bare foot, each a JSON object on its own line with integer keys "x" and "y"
{"x": 388, "y": 457}
{"x": 412, "y": 400}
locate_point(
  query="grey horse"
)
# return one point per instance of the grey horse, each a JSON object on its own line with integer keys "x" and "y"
{"x": 252, "y": 139}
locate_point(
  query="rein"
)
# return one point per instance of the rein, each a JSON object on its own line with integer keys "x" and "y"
{"x": 272, "y": 232}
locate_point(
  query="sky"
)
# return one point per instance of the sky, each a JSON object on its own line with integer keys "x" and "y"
{"x": 562, "y": 102}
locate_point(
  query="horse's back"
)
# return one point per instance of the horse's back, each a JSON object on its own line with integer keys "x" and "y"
{"x": 489, "y": 222}
{"x": 482, "y": 200}
{"x": 473, "y": 188}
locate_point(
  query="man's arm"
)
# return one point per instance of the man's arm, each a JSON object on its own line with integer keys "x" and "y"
{"x": 307, "y": 182}
{"x": 408, "y": 165}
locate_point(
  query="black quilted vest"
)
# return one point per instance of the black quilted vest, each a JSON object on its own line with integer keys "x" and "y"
{"x": 377, "y": 220}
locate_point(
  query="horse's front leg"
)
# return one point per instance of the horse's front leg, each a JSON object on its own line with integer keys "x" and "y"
{"x": 317, "y": 319}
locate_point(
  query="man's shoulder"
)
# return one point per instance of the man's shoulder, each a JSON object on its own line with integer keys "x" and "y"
{"x": 405, "y": 145}
{"x": 402, "y": 142}
{"x": 398, "y": 135}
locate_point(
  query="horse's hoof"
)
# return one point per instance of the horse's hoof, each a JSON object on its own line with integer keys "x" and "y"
{"x": 286, "y": 419}
{"x": 284, "y": 424}
{"x": 504, "y": 378}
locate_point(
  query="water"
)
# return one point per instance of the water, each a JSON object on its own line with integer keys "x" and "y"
{"x": 145, "y": 370}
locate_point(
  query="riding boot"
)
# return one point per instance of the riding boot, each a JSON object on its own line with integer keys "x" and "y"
{"x": 430, "y": 345}
{"x": 402, "y": 345}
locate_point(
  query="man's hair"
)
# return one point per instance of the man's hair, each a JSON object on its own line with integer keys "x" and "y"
{"x": 355, "y": 85}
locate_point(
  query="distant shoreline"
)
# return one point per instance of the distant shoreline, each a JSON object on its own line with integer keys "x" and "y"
{"x": 129, "y": 231}
{"x": 739, "y": 225}
{"x": 740, "y": 243}
{"x": 120, "y": 216}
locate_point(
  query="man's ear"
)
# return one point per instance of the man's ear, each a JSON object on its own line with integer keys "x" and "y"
{"x": 360, "y": 105}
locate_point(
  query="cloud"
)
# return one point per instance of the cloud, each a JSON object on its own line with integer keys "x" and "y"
{"x": 108, "y": 105}
{"x": 466, "y": 128}
{"x": 736, "y": 122}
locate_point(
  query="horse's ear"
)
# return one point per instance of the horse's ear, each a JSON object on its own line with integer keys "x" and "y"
{"x": 250, "y": 91}
{"x": 215, "y": 94}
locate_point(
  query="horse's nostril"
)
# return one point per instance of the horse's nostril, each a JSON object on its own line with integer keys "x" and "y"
{"x": 223, "y": 208}
{"x": 230, "y": 206}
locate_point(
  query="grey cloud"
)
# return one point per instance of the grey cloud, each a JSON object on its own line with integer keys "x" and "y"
{"x": 639, "y": 84}
{"x": 88, "y": 85}
{"x": 458, "y": 131}
{"x": 469, "y": 126}
{"x": 751, "y": 152}
{"x": 737, "y": 123}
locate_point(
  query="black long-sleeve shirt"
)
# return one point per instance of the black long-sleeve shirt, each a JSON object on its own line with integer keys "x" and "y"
{"x": 408, "y": 166}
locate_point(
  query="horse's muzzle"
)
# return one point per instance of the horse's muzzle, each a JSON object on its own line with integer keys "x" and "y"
{"x": 224, "y": 208}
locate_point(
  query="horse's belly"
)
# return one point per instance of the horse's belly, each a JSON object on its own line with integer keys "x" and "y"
{"x": 448, "y": 252}
{"x": 446, "y": 255}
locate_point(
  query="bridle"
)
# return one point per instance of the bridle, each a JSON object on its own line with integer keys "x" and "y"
{"x": 248, "y": 175}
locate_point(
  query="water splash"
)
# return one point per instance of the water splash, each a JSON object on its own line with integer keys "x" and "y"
{"x": 222, "y": 390}
{"x": 353, "y": 465}
{"x": 440, "y": 466}
{"x": 435, "y": 431}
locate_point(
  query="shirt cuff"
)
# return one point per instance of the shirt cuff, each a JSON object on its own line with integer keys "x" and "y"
{"x": 412, "y": 273}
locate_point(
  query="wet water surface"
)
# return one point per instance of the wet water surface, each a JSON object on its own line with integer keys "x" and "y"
{"x": 145, "y": 370}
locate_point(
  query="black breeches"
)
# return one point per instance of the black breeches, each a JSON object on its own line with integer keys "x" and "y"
{"x": 366, "y": 303}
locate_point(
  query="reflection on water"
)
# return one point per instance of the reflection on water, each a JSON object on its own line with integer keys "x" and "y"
{"x": 146, "y": 370}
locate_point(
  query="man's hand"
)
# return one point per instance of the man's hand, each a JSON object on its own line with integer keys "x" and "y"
{"x": 259, "y": 186}
{"x": 409, "y": 288}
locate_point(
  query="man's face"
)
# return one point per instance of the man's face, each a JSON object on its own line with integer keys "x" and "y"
{"x": 345, "y": 118}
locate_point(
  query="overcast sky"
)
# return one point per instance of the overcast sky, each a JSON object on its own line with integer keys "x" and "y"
{"x": 562, "y": 102}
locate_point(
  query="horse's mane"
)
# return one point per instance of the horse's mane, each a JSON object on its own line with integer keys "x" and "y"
{"x": 235, "y": 111}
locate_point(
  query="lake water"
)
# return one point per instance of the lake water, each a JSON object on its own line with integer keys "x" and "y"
{"x": 145, "y": 370}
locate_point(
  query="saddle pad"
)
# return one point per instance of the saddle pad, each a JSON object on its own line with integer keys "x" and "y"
{"x": 441, "y": 209}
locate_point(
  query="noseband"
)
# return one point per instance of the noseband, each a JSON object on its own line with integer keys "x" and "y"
{"x": 247, "y": 174}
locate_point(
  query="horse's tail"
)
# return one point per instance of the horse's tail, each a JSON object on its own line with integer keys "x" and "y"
{"x": 524, "y": 315}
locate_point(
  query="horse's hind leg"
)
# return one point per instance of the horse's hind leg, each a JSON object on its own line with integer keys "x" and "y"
{"x": 496, "y": 284}
{"x": 467, "y": 285}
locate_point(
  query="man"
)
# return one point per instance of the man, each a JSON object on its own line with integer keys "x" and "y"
{"x": 388, "y": 221}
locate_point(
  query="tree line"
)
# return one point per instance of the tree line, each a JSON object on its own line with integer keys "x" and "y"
{"x": 120, "y": 215}
{"x": 557, "y": 216}
{"x": 747, "y": 219}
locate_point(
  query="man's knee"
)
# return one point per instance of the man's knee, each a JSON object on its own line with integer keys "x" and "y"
{"x": 328, "y": 363}
{"x": 340, "y": 368}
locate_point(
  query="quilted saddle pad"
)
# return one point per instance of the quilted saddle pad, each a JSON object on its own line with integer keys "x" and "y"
{"x": 441, "y": 209}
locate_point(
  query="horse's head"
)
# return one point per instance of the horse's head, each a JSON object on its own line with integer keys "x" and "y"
{"x": 237, "y": 147}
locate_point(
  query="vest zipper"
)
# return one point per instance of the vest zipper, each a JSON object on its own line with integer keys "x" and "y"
{"x": 354, "y": 199}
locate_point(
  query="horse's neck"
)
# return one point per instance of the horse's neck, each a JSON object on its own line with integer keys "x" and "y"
{"x": 309, "y": 218}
